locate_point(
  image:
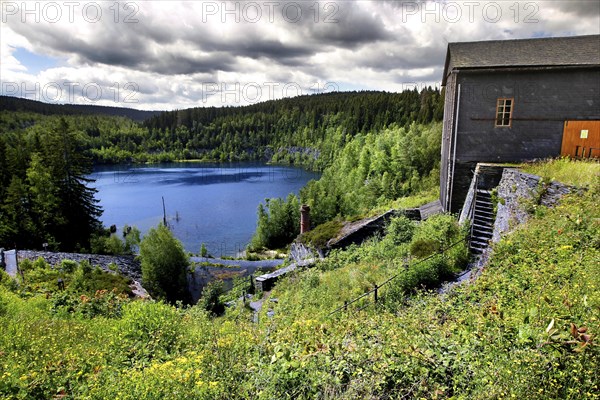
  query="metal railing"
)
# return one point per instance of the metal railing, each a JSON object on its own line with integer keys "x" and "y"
{"x": 376, "y": 288}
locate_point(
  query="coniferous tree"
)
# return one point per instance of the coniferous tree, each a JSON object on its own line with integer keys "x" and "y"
{"x": 70, "y": 167}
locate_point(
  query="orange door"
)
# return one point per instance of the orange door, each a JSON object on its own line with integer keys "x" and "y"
{"x": 581, "y": 139}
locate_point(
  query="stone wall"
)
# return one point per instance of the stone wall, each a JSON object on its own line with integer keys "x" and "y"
{"x": 517, "y": 189}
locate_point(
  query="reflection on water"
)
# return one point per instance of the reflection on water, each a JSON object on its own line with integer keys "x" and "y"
{"x": 205, "y": 203}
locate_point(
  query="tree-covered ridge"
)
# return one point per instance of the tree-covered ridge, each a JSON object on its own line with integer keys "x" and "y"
{"x": 287, "y": 130}
{"x": 14, "y": 104}
{"x": 306, "y": 130}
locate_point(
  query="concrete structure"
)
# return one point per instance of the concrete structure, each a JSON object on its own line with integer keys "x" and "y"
{"x": 512, "y": 100}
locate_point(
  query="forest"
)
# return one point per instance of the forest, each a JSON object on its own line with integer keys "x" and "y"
{"x": 358, "y": 131}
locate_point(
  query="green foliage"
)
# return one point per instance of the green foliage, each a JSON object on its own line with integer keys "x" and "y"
{"x": 164, "y": 265}
{"x": 203, "y": 251}
{"x": 108, "y": 304}
{"x": 278, "y": 223}
{"x": 39, "y": 277}
{"x": 68, "y": 266}
{"x": 211, "y": 298}
{"x": 105, "y": 242}
{"x": 47, "y": 198}
{"x": 88, "y": 280}
{"x": 375, "y": 169}
{"x": 150, "y": 330}
{"x": 319, "y": 236}
{"x": 572, "y": 172}
{"x": 526, "y": 328}
{"x": 371, "y": 171}
{"x": 400, "y": 230}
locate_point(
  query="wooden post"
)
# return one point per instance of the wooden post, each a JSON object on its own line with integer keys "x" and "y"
{"x": 164, "y": 211}
{"x": 375, "y": 293}
{"x": 345, "y": 305}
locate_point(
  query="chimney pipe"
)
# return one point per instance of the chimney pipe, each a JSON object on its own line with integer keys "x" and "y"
{"x": 304, "y": 218}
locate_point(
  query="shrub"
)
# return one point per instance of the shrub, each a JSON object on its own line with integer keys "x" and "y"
{"x": 164, "y": 265}
{"x": 422, "y": 248}
{"x": 68, "y": 266}
{"x": 211, "y": 298}
{"x": 150, "y": 329}
{"x": 278, "y": 223}
{"x": 400, "y": 230}
{"x": 321, "y": 234}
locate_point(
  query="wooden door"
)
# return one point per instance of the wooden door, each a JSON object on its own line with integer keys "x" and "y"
{"x": 581, "y": 139}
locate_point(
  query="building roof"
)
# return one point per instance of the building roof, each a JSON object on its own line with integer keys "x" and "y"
{"x": 539, "y": 52}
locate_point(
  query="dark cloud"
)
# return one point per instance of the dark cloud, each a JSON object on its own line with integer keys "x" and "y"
{"x": 397, "y": 57}
{"x": 584, "y": 8}
{"x": 341, "y": 24}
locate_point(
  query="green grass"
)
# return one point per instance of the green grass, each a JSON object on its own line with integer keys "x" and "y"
{"x": 321, "y": 234}
{"x": 572, "y": 172}
{"x": 527, "y": 328}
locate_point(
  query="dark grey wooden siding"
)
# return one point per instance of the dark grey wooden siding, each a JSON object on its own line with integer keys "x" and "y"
{"x": 543, "y": 100}
{"x": 449, "y": 109}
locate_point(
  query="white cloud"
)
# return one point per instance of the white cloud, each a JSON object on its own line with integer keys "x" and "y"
{"x": 180, "y": 55}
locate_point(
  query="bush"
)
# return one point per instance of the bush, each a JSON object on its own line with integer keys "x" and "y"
{"x": 164, "y": 265}
{"x": 278, "y": 223}
{"x": 320, "y": 235}
{"x": 211, "y": 298}
{"x": 150, "y": 329}
{"x": 400, "y": 230}
{"x": 68, "y": 266}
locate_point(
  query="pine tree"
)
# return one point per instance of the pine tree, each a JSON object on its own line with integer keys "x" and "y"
{"x": 69, "y": 166}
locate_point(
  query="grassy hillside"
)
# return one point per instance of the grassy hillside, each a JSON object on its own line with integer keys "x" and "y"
{"x": 526, "y": 328}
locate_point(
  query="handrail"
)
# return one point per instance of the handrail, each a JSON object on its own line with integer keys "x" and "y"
{"x": 377, "y": 287}
{"x": 472, "y": 208}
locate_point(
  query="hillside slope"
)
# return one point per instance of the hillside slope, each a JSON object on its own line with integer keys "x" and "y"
{"x": 526, "y": 328}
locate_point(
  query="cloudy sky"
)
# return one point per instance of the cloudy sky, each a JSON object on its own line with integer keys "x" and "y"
{"x": 166, "y": 55}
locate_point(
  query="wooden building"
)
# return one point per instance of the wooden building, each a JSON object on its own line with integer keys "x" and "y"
{"x": 517, "y": 100}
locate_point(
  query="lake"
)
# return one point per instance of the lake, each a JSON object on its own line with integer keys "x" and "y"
{"x": 215, "y": 204}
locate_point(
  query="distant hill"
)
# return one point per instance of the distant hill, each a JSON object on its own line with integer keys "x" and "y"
{"x": 10, "y": 103}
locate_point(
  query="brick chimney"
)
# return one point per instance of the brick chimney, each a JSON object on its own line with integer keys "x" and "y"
{"x": 304, "y": 218}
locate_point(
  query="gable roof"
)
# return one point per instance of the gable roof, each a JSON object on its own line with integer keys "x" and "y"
{"x": 540, "y": 52}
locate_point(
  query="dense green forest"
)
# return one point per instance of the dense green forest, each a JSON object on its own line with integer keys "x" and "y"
{"x": 372, "y": 170}
{"x": 45, "y": 195}
{"x": 370, "y": 145}
{"x": 306, "y": 130}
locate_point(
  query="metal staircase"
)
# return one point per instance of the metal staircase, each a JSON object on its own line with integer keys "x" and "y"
{"x": 482, "y": 225}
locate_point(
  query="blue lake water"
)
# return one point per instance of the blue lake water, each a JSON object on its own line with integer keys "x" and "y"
{"x": 213, "y": 204}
